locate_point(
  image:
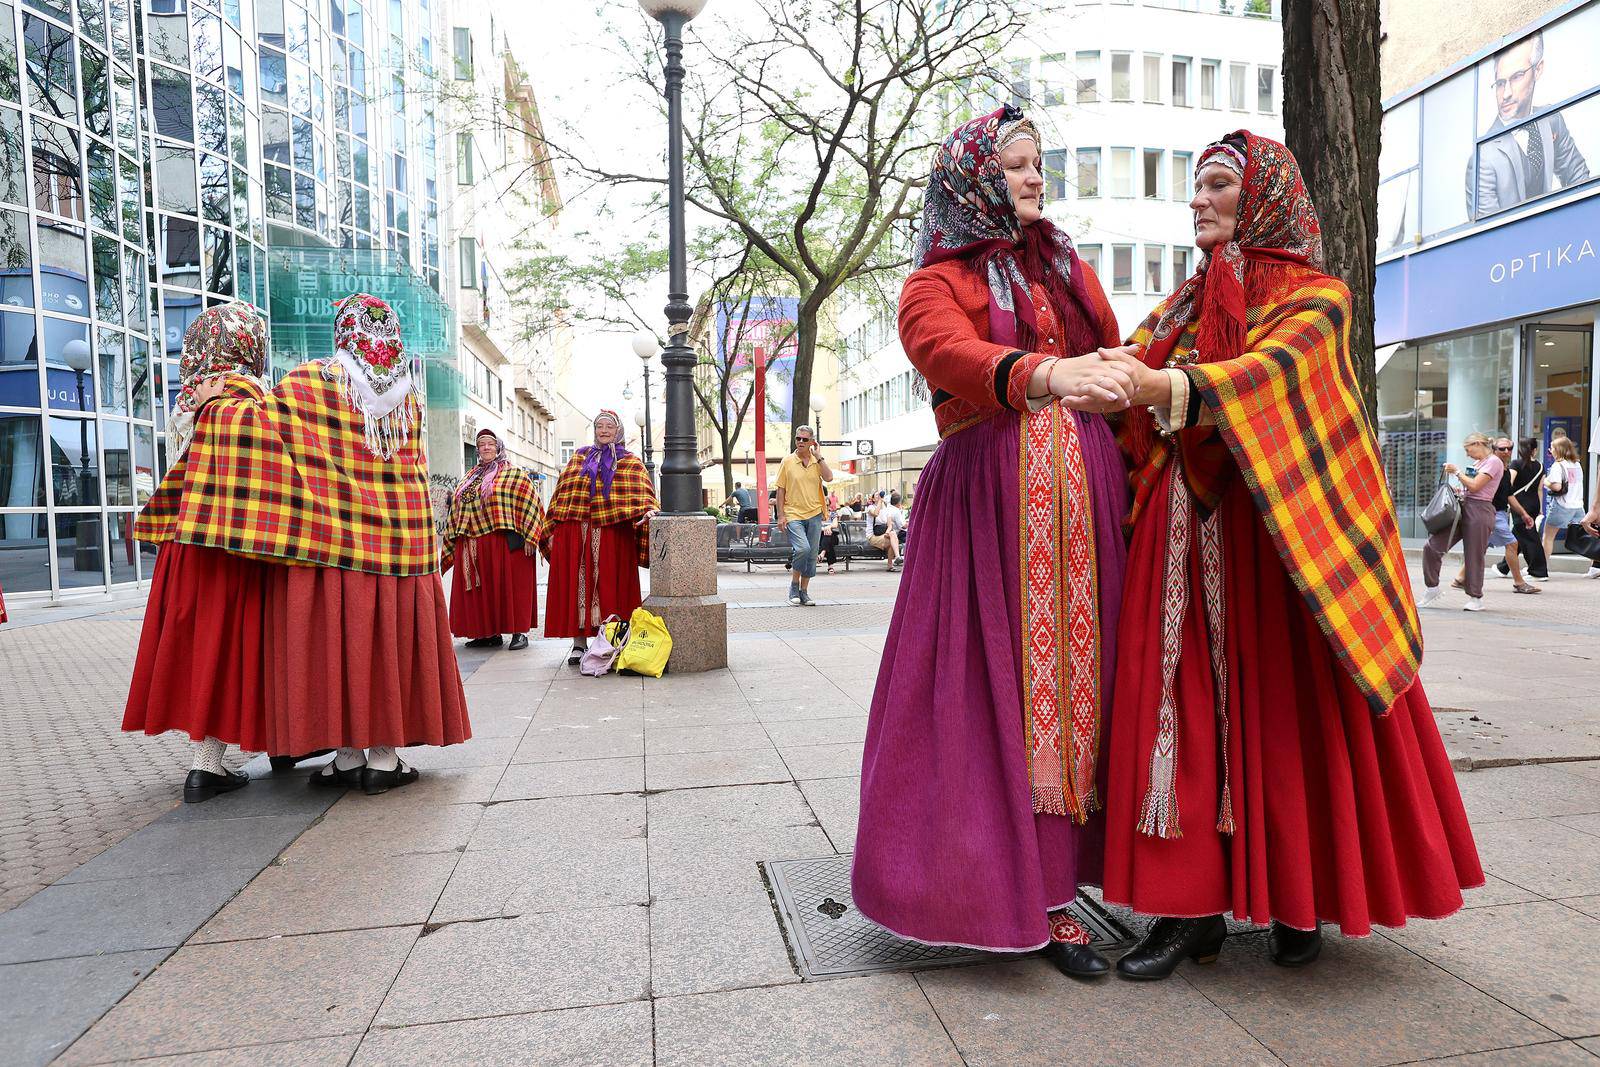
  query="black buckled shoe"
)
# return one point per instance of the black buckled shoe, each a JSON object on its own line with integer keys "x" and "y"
{"x": 518, "y": 642}
{"x": 375, "y": 781}
{"x": 287, "y": 763}
{"x": 1168, "y": 942}
{"x": 1294, "y": 948}
{"x": 575, "y": 654}
{"x": 201, "y": 786}
{"x": 486, "y": 642}
{"x": 331, "y": 777}
{"x": 1076, "y": 961}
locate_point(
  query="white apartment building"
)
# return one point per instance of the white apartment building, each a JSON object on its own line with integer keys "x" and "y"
{"x": 503, "y": 188}
{"x": 1124, "y": 94}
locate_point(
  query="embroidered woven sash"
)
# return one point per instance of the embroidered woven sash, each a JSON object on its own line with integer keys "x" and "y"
{"x": 1061, "y": 617}
{"x": 1158, "y": 814}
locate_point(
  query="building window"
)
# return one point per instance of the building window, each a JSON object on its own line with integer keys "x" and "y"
{"x": 469, "y": 263}
{"x": 1155, "y": 177}
{"x": 1210, "y": 72}
{"x": 1088, "y": 77}
{"x": 1021, "y": 85}
{"x": 461, "y": 40}
{"x": 1180, "y": 81}
{"x": 1122, "y": 76}
{"x": 464, "y": 159}
{"x": 1236, "y": 76}
{"x": 1152, "y": 79}
{"x": 1122, "y": 172}
{"x": 1053, "y": 79}
{"x": 1155, "y": 257}
{"x": 1122, "y": 268}
{"x": 1088, "y": 172}
{"x": 567, "y": 449}
{"x": 1055, "y": 174}
{"x": 1182, "y": 258}
{"x": 1181, "y": 182}
{"x": 1090, "y": 255}
{"x": 1266, "y": 77}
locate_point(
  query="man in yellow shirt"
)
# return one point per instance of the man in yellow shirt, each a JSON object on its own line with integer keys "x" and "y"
{"x": 801, "y": 476}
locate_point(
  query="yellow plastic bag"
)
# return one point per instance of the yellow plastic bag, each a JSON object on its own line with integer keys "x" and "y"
{"x": 649, "y": 644}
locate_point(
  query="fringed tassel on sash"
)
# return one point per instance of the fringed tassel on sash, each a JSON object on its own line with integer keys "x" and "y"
{"x": 1061, "y": 617}
{"x": 1158, "y": 814}
{"x": 469, "y": 565}
{"x": 386, "y": 425}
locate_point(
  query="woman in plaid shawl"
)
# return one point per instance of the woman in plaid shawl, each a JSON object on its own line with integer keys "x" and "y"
{"x": 200, "y": 667}
{"x": 1271, "y": 750}
{"x": 596, "y": 536}
{"x": 491, "y": 539}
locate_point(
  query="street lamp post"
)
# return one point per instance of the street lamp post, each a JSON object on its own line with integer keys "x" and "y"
{"x": 646, "y": 348}
{"x": 816, "y": 417}
{"x": 683, "y": 540}
{"x": 680, "y": 464}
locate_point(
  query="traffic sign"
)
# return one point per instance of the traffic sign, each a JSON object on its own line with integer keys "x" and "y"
{"x": 833, "y": 444}
{"x": 863, "y": 448}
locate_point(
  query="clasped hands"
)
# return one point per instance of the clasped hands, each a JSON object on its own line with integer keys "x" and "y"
{"x": 1105, "y": 380}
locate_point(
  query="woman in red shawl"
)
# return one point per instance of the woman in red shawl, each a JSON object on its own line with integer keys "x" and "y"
{"x": 491, "y": 540}
{"x": 596, "y": 537}
{"x": 200, "y": 667}
{"x": 979, "y": 779}
{"x": 1271, "y": 750}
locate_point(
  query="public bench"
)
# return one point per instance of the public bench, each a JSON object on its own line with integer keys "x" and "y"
{"x": 751, "y": 543}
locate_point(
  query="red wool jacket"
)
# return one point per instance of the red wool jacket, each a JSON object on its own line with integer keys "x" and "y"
{"x": 944, "y": 329}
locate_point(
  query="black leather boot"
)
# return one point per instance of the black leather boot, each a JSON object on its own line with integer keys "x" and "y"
{"x": 1167, "y": 944}
{"x": 201, "y": 786}
{"x": 1076, "y": 961}
{"x": 519, "y": 642}
{"x": 1294, "y": 948}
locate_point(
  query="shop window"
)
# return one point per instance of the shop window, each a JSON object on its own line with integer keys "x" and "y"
{"x": 25, "y": 540}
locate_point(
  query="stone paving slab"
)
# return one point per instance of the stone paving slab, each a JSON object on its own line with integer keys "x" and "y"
{"x": 45, "y": 1005}
{"x": 615, "y": 1035}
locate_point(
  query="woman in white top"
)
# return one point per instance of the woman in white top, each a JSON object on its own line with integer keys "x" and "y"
{"x": 1564, "y": 484}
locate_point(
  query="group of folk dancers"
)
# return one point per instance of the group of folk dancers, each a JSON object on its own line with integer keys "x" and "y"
{"x": 1155, "y": 632}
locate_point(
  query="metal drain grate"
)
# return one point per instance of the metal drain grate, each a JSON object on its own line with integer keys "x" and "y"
{"x": 830, "y": 939}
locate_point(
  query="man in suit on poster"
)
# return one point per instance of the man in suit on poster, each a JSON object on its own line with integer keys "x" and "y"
{"x": 1529, "y": 160}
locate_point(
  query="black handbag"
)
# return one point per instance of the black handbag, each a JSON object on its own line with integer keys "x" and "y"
{"x": 1583, "y": 542}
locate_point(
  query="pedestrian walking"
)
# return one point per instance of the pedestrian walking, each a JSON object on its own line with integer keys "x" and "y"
{"x": 491, "y": 539}
{"x": 326, "y": 473}
{"x": 1526, "y": 504}
{"x": 801, "y": 477}
{"x": 746, "y": 502}
{"x": 1271, "y": 751}
{"x": 596, "y": 536}
{"x": 1563, "y": 486}
{"x": 1479, "y": 482}
{"x": 980, "y": 764}
{"x": 200, "y": 668}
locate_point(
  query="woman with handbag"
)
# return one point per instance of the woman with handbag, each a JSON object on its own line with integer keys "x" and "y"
{"x": 1527, "y": 491}
{"x": 1472, "y": 531}
{"x": 1564, "y": 487}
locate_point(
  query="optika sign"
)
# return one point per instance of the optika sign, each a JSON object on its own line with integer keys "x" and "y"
{"x": 1548, "y": 259}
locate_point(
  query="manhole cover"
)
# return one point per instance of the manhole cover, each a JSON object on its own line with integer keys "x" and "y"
{"x": 831, "y": 939}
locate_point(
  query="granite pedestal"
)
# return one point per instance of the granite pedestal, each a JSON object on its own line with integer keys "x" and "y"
{"x": 683, "y": 591}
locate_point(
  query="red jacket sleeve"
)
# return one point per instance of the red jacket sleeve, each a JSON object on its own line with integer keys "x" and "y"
{"x": 1106, "y": 319}
{"x": 942, "y": 339}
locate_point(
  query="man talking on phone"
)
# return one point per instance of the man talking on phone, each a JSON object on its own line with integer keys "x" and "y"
{"x": 801, "y": 477}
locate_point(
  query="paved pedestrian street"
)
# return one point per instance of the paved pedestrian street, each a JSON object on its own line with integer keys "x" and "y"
{"x": 579, "y": 884}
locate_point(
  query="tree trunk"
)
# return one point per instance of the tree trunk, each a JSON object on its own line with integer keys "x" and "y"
{"x": 805, "y": 356}
{"x": 727, "y": 463}
{"x": 1332, "y": 115}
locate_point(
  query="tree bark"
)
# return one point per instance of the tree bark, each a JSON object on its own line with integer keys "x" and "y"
{"x": 1332, "y": 115}
{"x": 805, "y": 356}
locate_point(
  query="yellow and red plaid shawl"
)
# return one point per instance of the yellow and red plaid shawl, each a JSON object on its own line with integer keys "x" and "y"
{"x": 632, "y": 496}
{"x": 513, "y": 504}
{"x": 288, "y": 477}
{"x": 1291, "y": 414}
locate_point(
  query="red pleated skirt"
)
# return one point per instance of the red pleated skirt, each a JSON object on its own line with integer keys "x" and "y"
{"x": 1340, "y": 815}
{"x": 608, "y": 579}
{"x": 504, "y": 598}
{"x": 358, "y": 659}
{"x": 200, "y": 667}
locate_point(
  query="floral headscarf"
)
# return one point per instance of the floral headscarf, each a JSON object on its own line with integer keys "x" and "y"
{"x": 967, "y": 213}
{"x": 1277, "y": 224}
{"x": 229, "y": 338}
{"x": 369, "y": 363}
{"x": 600, "y": 461}
{"x": 484, "y": 474}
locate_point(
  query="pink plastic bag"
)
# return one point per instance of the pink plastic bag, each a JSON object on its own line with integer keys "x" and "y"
{"x": 604, "y": 648}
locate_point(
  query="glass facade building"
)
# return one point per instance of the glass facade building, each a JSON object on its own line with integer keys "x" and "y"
{"x": 154, "y": 156}
{"x": 1488, "y": 284}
